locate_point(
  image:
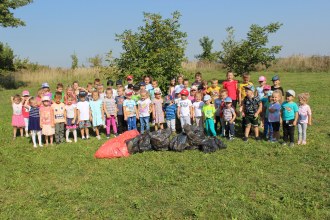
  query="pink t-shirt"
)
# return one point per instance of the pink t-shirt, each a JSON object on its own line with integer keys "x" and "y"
{"x": 303, "y": 113}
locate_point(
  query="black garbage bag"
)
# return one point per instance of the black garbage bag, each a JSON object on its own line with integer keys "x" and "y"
{"x": 160, "y": 140}
{"x": 144, "y": 142}
{"x": 211, "y": 145}
{"x": 133, "y": 145}
{"x": 179, "y": 143}
{"x": 195, "y": 134}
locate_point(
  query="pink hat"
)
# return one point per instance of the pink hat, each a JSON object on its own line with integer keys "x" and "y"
{"x": 25, "y": 93}
{"x": 267, "y": 87}
{"x": 262, "y": 79}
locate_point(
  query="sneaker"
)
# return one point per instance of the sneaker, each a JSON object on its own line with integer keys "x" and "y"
{"x": 35, "y": 146}
{"x": 291, "y": 144}
{"x": 40, "y": 145}
{"x": 273, "y": 140}
{"x": 68, "y": 141}
{"x": 231, "y": 138}
{"x": 304, "y": 143}
{"x": 27, "y": 135}
{"x": 258, "y": 139}
{"x": 87, "y": 137}
{"x": 284, "y": 144}
{"x": 245, "y": 139}
{"x": 108, "y": 136}
{"x": 299, "y": 142}
{"x": 98, "y": 137}
{"x": 83, "y": 137}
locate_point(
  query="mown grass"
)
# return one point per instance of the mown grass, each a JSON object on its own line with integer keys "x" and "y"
{"x": 255, "y": 180}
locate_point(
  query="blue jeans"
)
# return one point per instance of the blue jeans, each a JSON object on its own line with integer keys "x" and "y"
{"x": 131, "y": 123}
{"x": 144, "y": 123}
{"x": 268, "y": 129}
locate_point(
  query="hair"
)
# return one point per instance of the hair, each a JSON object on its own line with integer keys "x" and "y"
{"x": 147, "y": 76}
{"x": 17, "y": 96}
{"x": 32, "y": 99}
{"x": 58, "y": 94}
{"x": 120, "y": 88}
{"x": 40, "y": 91}
{"x": 109, "y": 89}
{"x": 95, "y": 92}
{"x": 89, "y": 84}
{"x": 179, "y": 76}
{"x": 246, "y": 74}
{"x": 143, "y": 91}
{"x": 75, "y": 82}
{"x": 205, "y": 82}
{"x": 99, "y": 86}
{"x": 198, "y": 74}
{"x": 304, "y": 96}
{"x": 223, "y": 91}
{"x": 155, "y": 81}
{"x": 59, "y": 85}
{"x": 97, "y": 80}
{"x": 214, "y": 80}
{"x": 70, "y": 98}
{"x": 185, "y": 80}
{"x": 229, "y": 71}
{"x": 69, "y": 87}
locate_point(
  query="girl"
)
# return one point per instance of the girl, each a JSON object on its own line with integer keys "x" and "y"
{"x": 231, "y": 85}
{"x": 147, "y": 80}
{"x": 100, "y": 89}
{"x": 40, "y": 94}
{"x": 198, "y": 105}
{"x": 25, "y": 111}
{"x": 205, "y": 85}
{"x": 47, "y": 120}
{"x": 193, "y": 91}
{"x": 34, "y": 121}
{"x": 274, "y": 114}
{"x": 304, "y": 117}
{"x": 75, "y": 86}
{"x": 158, "y": 113}
{"x": 17, "y": 118}
{"x": 70, "y": 93}
{"x": 260, "y": 89}
{"x": 180, "y": 82}
{"x": 171, "y": 89}
{"x": 144, "y": 109}
{"x": 45, "y": 87}
{"x": 70, "y": 120}
{"x": 110, "y": 109}
{"x": 96, "y": 113}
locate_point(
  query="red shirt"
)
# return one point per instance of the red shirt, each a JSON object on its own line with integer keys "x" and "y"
{"x": 231, "y": 87}
{"x": 25, "y": 112}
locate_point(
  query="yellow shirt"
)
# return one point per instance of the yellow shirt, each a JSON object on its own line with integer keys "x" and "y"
{"x": 214, "y": 91}
{"x": 242, "y": 90}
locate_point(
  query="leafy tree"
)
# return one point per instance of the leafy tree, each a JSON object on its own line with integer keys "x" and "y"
{"x": 156, "y": 49}
{"x": 243, "y": 56}
{"x": 207, "y": 54}
{"x": 74, "y": 63}
{"x": 7, "y": 18}
{"x": 95, "y": 61}
{"x": 6, "y": 58}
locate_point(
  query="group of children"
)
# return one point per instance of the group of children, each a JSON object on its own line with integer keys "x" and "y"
{"x": 121, "y": 107}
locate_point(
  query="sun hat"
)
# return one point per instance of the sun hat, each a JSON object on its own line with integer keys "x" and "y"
{"x": 45, "y": 98}
{"x": 207, "y": 97}
{"x": 157, "y": 91}
{"x": 228, "y": 99}
{"x": 45, "y": 85}
{"x": 178, "y": 89}
{"x": 262, "y": 79}
{"x": 275, "y": 78}
{"x": 184, "y": 92}
{"x": 267, "y": 87}
{"x": 25, "y": 93}
{"x": 129, "y": 77}
{"x": 291, "y": 92}
{"x": 249, "y": 87}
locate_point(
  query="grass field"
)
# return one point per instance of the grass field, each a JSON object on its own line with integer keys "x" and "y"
{"x": 256, "y": 180}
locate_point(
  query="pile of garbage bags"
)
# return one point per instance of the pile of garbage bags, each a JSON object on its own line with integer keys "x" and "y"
{"x": 194, "y": 138}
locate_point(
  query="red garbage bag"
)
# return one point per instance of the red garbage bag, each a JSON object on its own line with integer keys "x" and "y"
{"x": 116, "y": 147}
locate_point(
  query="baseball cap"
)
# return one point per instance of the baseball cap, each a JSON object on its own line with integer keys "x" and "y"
{"x": 45, "y": 85}
{"x": 267, "y": 87}
{"x": 291, "y": 92}
{"x": 200, "y": 87}
{"x": 119, "y": 82}
{"x": 228, "y": 99}
{"x": 184, "y": 92}
{"x": 136, "y": 87}
{"x": 262, "y": 79}
{"x": 129, "y": 77}
{"x": 178, "y": 89}
{"x": 207, "y": 97}
{"x": 128, "y": 92}
{"x": 249, "y": 87}
{"x": 275, "y": 78}
{"x": 110, "y": 82}
{"x": 130, "y": 86}
{"x": 142, "y": 84}
{"x": 82, "y": 94}
{"x": 25, "y": 93}
{"x": 45, "y": 98}
{"x": 157, "y": 91}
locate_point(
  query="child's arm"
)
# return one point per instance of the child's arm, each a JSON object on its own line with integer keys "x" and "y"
{"x": 125, "y": 113}
{"x": 105, "y": 109}
{"x": 234, "y": 117}
{"x": 178, "y": 112}
{"x": 243, "y": 110}
{"x": 41, "y": 115}
{"x": 136, "y": 112}
{"x": 259, "y": 110}
{"x": 65, "y": 116}
{"x": 78, "y": 115}
{"x": 153, "y": 111}
{"x": 102, "y": 112}
{"x": 192, "y": 112}
{"x": 53, "y": 118}
{"x": 12, "y": 99}
{"x": 295, "y": 119}
{"x": 90, "y": 114}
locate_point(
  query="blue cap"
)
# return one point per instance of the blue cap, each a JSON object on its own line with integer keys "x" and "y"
{"x": 82, "y": 94}
{"x": 207, "y": 97}
{"x": 249, "y": 87}
{"x": 142, "y": 84}
{"x": 228, "y": 99}
{"x": 45, "y": 85}
{"x": 119, "y": 82}
{"x": 275, "y": 78}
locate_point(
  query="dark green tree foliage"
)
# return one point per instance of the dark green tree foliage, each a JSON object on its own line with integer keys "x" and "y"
{"x": 74, "y": 61}
{"x": 156, "y": 49}
{"x": 207, "y": 54}
{"x": 243, "y": 56}
{"x": 6, "y": 58}
{"x": 7, "y": 18}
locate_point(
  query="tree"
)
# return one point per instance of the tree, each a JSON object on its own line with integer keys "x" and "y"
{"x": 207, "y": 54}
{"x": 74, "y": 63}
{"x": 6, "y": 58}
{"x": 157, "y": 49}
{"x": 95, "y": 61}
{"x": 243, "y": 56}
{"x": 7, "y": 18}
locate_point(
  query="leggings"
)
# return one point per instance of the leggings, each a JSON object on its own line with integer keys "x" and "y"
{"x": 111, "y": 121}
{"x": 302, "y": 128}
{"x": 209, "y": 127}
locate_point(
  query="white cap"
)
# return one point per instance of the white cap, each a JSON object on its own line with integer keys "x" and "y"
{"x": 291, "y": 92}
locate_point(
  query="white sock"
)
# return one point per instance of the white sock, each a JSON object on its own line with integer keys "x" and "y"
{"x": 39, "y": 138}
{"x": 34, "y": 141}
{"x": 67, "y": 133}
{"x": 75, "y": 135}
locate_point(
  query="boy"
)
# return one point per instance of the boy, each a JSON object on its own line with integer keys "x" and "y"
{"x": 198, "y": 106}
{"x": 101, "y": 92}
{"x": 110, "y": 86}
{"x": 266, "y": 102}
{"x": 289, "y": 111}
{"x": 130, "y": 110}
{"x": 142, "y": 86}
{"x": 186, "y": 84}
{"x": 59, "y": 88}
{"x": 83, "y": 115}
{"x": 144, "y": 109}
{"x": 76, "y": 88}
{"x": 170, "y": 113}
{"x": 277, "y": 86}
{"x": 97, "y": 82}
{"x": 209, "y": 116}
{"x": 129, "y": 80}
{"x": 120, "y": 113}
{"x": 242, "y": 94}
{"x": 229, "y": 117}
{"x": 147, "y": 80}
{"x": 214, "y": 89}
{"x": 59, "y": 119}
{"x": 198, "y": 79}
{"x": 185, "y": 110}
{"x": 223, "y": 95}
{"x": 89, "y": 92}
{"x": 231, "y": 86}
{"x": 136, "y": 93}
{"x": 119, "y": 84}
{"x": 252, "y": 107}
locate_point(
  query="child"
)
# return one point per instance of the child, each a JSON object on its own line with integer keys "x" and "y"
{"x": 192, "y": 94}
{"x": 47, "y": 120}
{"x": 209, "y": 116}
{"x": 304, "y": 117}
{"x": 147, "y": 80}
{"x": 110, "y": 109}
{"x": 198, "y": 79}
{"x": 242, "y": 94}
{"x": 180, "y": 82}
{"x": 97, "y": 82}
{"x": 34, "y": 121}
{"x": 130, "y": 110}
{"x": 268, "y": 128}
{"x": 100, "y": 90}
{"x": 158, "y": 113}
{"x": 119, "y": 84}
{"x": 110, "y": 86}
{"x": 70, "y": 120}
{"x": 289, "y": 110}
{"x": 59, "y": 88}
{"x": 40, "y": 94}
{"x": 152, "y": 91}
{"x": 144, "y": 109}
{"x": 177, "y": 96}
{"x": 205, "y": 86}
{"x": 171, "y": 89}
{"x": 185, "y": 110}
{"x": 120, "y": 113}
{"x": 45, "y": 87}
{"x": 186, "y": 84}
{"x": 170, "y": 113}
{"x": 223, "y": 95}
{"x": 274, "y": 115}
{"x": 260, "y": 89}
{"x": 198, "y": 105}
{"x": 89, "y": 92}
{"x": 214, "y": 90}
{"x": 70, "y": 93}
{"x": 136, "y": 93}
{"x": 83, "y": 115}
{"x": 142, "y": 86}
{"x": 252, "y": 107}
{"x": 25, "y": 111}
{"x": 59, "y": 119}
{"x": 231, "y": 86}
{"x": 277, "y": 86}
{"x": 177, "y": 99}
{"x": 17, "y": 119}
{"x": 229, "y": 116}
{"x": 75, "y": 86}
{"x": 96, "y": 113}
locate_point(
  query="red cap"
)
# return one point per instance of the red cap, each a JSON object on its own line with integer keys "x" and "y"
{"x": 129, "y": 77}
{"x": 267, "y": 87}
{"x": 184, "y": 92}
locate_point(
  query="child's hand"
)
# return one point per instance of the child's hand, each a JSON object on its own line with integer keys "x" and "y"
{"x": 137, "y": 117}
{"x": 310, "y": 123}
{"x": 294, "y": 123}
{"x": 73, "y": 121}
{"x": 125, "y": 118}
{"x": 243, "y": 114}
{"x": 214, "y": 120}
{"x": 108, "y": 115}
{"x": 256, "y": 115}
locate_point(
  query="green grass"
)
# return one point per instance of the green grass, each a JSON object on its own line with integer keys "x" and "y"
{"x": 245, "y": 181}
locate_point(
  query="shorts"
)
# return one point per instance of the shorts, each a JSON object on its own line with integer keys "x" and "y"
{"x": 276, "y": 126}
{"x": 252, "y": 120}
{"x": 84, "y": 124}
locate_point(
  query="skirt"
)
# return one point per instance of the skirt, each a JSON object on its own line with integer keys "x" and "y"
{"x": 48, "y": 130}
{"x": 69, "y": 124}
{"x": 34, "y": 124}
{"x": 18, "y": 121}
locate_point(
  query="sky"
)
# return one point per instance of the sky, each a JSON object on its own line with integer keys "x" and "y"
{"x": 55, "y": 29}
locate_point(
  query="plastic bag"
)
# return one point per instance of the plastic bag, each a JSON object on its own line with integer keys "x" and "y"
{"x": 195, "y": 135}
{"x": 160, "y": 140}
{"x": 211, "y": 145}
{"x": 179, "y": 143}
{"x": 133, "y": 145}
{"x": 144, "y": 143}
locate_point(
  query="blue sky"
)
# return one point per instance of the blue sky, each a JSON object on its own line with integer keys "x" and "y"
{"x": 55, "y": 29}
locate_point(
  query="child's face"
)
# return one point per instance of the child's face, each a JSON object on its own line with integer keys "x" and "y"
{"x": 96, "y": 84}
{"x": 33, "y": 103}
{"x": 208, "y": 102}
{"x": 128, "y": 97}
{"x": 275, "y": 97}
{"x": 154, "y": 84}
{"x": 223, "y": 95}
{"x": 69, "y": 91}
{"x": 46, "y": 90}
{"x": 46, "y": 103}
{"x": 173, "y": 82}
{"x": 59, "y": 89}
{"x": 147, "y": 80}
{"x": 17, "y": 100}
{"x": 69, "y": 101}
{"x": 198, "y": 78}
{"x": 118, "y": 86}
{"x": 40, "y": 93}
{"x": 246, "y": 79}
{"x": 120, "y": 92}
{"x": 183, "y": 97}
{"x": 129, "y": 81}
{"x": 82, "y": 98}
{"x": 58, "y": 99}
{"x": 230, "y": 76}
{"x": 89, "y": 88}
{"x": 143, "y": 96}
{"x": 289, "y": 98}
{"x": 276, "y": 82}
{"x": 262, "y": 83}
{"x": 157, "y": 96}
{"x": 205, "y": 85}
{"x": 142, "y": 87}
{"x": 186, "y": 84}
{"x": 136, "y": 92}
{"x": 198, "y": 98}
{"x": 180, "y": 80}
{"x": 26, "y": 97}
{"x": 266, "y": 91}
{"x": 109, "y": 94}
{"x": 95, "y": 96}
{"x": 75, "y": 86}
{"x": 100, "y": 89}
{"x": 178, "y": 95}
{"x": 249, "y": 93}
{"x": 192, "y": 92}
{"x": 228, "y": 104}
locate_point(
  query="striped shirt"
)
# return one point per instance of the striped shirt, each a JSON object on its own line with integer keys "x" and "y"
{"x": 110, "y": 105}
{"x": 34, "y": 112}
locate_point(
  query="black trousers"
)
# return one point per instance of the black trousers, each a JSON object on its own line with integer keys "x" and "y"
{"x": 122, "y": 125}
{"x": 230, "y": 129}
{"x": 288, "y": 131}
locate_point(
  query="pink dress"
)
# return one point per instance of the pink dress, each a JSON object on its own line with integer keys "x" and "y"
{"x": 159, "y": 113}
{"x": 17, "y": 119}
{"x": 46, "y": 120}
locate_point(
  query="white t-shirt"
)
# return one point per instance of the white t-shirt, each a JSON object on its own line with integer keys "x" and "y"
{"x": 144, "y": 107}
{"x": 177, "y": 100}
{"x": 70, "y": 113}
{"x": 83, "y": 108}
{"x": 185, "y": 107}
{"x": 198, "y": 108}
{"x": 114, "y": 93}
